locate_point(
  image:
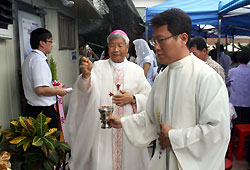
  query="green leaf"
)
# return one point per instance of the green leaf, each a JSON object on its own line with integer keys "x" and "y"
{"x": 31, "y": 165}
{"x": 17, "y": 140}
{"x": 30, "y": 126}
{"x": 65, "y": 146}
{"x": 45, "y": 151}
{"x": 1, "y": 138}
{"x": 25, "y": 132}
{"x": 14, "y": 122}
{"x": 48, "y": 119}
{"x": 49, "y": 142}
{"x": 26, "y": 145}
{"x": 53, "y": 138}
{"x": 6, "y": 131}
{"x": 33, "y": 158}
{"x": 22, "y": 122}
{"x": 33, "y": 154}
{"x": 51, "y": 131}
{"x": 24, "y": 142}
{"x": 15, "y": 129}
{"x": 53, "y": 156}
{"x": 53, "y": 68}
{"x": 40, "y": 124}
{"x": 57, "y": 134}
{"x": 48, "y": 164}
{"x": 8, "y": 134}
{"x": 33, "y": 120}
{"x": 37, "y": 141}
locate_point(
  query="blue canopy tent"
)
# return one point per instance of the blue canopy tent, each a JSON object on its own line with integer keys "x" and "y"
{"x": 222, "y": 14}
{"x": 230, "y": 5}
{"x": 208, "y": 13}
{"x": 200, "y": 11}
{"x": 235, "y": 16}
{"x": 236, "y": 25}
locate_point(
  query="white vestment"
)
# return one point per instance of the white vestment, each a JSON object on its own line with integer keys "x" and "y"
{"x": 91, "y": 146}
{"x": 192, "y": 99}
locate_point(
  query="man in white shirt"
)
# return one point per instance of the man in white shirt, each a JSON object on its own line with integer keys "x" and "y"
{"x": 37, "y": 78}
{"x": 180, "y": 113}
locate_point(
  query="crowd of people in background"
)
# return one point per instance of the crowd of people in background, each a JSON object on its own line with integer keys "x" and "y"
{"x": 123, "y": 77}
{"x": 233, "y": 69}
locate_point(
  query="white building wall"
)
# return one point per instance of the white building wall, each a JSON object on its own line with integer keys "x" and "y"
{"x": 142, "y": 5}
{"x": 147, "y": 3}
{"x": 9, "y": 92}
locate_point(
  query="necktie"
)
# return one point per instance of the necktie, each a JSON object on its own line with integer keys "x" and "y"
{"x": 47, "y": 61}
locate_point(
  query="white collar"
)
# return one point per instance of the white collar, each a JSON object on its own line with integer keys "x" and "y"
{"x": 40, "y": 53}
{"x": 179, "y": 63}
{"x": 118, "y": 65}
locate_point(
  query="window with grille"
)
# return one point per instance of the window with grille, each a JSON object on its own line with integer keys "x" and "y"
{"x": 5, "y": 13}
{"x": 66, "y": 32}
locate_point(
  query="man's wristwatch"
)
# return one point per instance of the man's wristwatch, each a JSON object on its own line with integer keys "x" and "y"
{"x": 134, "y": 100}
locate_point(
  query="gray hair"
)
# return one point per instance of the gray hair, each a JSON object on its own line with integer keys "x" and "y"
{"x": 118, "y": 35}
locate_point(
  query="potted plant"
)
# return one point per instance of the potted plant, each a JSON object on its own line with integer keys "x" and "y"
{"x": 4, "y": 156}
{"x": 53, "y": 68}
{"x": 32, "y": 142}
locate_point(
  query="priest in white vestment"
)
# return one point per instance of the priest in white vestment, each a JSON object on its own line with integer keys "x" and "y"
{"x": 187, "y": 109}
{"x": 115, "y": 82}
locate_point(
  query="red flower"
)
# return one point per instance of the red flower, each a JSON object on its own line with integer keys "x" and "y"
{"x": 118, "y": 86}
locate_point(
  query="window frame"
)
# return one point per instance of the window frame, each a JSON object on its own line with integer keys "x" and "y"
{"x": 67, "y": 38}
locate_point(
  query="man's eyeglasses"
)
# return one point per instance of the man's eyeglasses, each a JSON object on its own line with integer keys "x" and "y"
{"x": 112, "y": 46}
{"x": 159, "y": 41}
{"x": 50, "y": 41}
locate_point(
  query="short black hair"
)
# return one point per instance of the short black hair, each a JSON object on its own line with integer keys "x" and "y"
{"x": 199, "y": 42}
{"x": 234, "y": 57}
{"x": 37, "y": 35}
{"x": 80, "y": 46}
{"x": 177, "y": 21}
{"x": 213, "y": 54}
{"x": 222, "y": 48}
{"x": 243, "y": 56}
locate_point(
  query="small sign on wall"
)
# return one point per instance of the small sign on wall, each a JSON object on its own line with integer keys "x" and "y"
{"x": 74, "y": 57}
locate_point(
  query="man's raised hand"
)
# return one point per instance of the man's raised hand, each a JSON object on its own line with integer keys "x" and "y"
{"x": 86, "y": 67}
